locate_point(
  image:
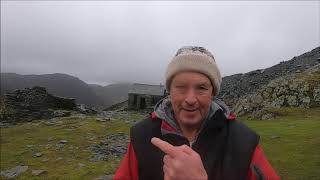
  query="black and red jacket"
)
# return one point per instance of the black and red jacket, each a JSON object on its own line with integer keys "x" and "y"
{"x": 228, "y": 149}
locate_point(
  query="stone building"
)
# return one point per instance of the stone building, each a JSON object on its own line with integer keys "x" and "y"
{"x": 144, "y": 96}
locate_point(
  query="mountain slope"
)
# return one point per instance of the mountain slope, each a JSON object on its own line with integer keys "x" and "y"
{"x": 111, "y": 94}
{"x": 294, "y": 90}
{"x": 56, "y": 84}
{"x": 237, "y": 85}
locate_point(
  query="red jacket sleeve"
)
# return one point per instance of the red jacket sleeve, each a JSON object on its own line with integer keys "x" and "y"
{"x": 260, "y": 169}
{"x": 128, "y": 168}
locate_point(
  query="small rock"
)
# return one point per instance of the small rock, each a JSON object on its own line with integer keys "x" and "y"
{"x": 39, "y": 154}
{"x": 14, "y": 172}
{"x": 4, "y": 125}
{"x": 48, "y": 146}
{"x": 59, "y": 146}
{"x": 53, "y": 119}
{"x": 63, "y": 141}
{"x": 291, "y": 125}
{"x": 98, "y": 157}
{"x": 45, "y": 160}
{"x": 59, "y": 158}
{"x": 267, "y": 116}
{"x": 29, "y": 145}
{"x": 101, "y": 120}
{"x": 38, "y": 172}
{"x": 61, "y": 113}
{"x": 105, "y": 177}
{"x": 274, "y": 137}
{"x": 92, "y": 138}
{"x": 107, "y": 119}
{"x": 49, "y": 123}
{"x": 81, "y": 165}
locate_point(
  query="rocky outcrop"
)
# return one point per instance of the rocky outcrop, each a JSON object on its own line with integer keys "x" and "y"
{"x": 238, "y": 85}
{"x": 34, "y": 103}
{"x": 296, "y": 90}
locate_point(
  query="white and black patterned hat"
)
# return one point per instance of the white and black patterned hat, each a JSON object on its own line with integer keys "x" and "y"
{"x": 195, "y": 59}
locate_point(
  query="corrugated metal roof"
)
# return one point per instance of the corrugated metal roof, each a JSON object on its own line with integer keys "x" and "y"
{"x": 156, "y": 90}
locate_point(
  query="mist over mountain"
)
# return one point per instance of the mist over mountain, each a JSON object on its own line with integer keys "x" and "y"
{"x": 111, "y": 94}
{"x": 68, "y": 86}
{"x": 232, "y": 88}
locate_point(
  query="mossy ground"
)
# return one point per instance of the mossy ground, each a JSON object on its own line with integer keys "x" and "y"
{"x": 291, "y": 142}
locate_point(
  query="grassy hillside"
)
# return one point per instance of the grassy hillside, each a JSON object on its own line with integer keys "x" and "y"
{"x": 19, "y": 143}
{"x": 291, "y": 143}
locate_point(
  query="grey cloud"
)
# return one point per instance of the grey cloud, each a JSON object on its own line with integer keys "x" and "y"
{"x": 107, "y": 42}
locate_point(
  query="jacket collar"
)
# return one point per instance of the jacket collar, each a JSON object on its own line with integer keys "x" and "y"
{"x": 217, "y": 114}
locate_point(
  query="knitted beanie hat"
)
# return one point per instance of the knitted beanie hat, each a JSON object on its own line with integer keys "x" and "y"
{"x": 195, "y": 59}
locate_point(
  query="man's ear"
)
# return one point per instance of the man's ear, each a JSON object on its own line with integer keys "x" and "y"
{"x": 212, "y": 94}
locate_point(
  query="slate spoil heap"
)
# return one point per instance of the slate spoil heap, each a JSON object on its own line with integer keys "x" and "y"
{"x": 297, "y": 90}
{"x": 235, "y": 86}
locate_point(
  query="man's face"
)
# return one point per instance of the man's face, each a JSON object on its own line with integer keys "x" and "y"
{"x": 191, "y": 95}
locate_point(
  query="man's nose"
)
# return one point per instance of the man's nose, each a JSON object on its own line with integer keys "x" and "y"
{"x": 191, "y": 97}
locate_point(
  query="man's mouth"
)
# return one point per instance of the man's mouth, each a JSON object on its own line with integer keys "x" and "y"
{"x": 190, "y": 110}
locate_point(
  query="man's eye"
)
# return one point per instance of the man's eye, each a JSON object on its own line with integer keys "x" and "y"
{"x": 181, "y": 87}
{"x": 203, "y": 88}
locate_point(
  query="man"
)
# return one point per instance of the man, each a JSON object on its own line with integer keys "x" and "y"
{"x": 192, "y": 135}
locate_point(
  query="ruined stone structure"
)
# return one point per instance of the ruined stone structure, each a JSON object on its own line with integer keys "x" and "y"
{"x": 144, "y": 96}
{"x": 33, "y": 103}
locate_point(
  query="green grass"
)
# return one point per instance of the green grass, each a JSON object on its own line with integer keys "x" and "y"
{"x": 78, "y": 133}
{"x": 296, "y": 153}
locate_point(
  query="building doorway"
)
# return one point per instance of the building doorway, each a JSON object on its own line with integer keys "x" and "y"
{"x": 142, "y": 103}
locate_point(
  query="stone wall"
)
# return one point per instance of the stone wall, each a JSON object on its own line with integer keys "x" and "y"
{"x": 149, "y": 101}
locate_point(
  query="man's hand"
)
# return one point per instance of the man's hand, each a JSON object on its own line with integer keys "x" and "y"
{"x": 180, "y": 162}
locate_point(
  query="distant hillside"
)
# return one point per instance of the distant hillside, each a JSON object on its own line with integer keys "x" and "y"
{"x": 235, "y": 86}
{"x": 57, "y": 84}
{"x": 111, "y": 94}
{"x": 232, "y": 88}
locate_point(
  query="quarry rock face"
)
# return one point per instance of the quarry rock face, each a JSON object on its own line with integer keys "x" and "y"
{"x": 238, "y": 85}
{"x": 34, "y": 103}
{"x": 296, "y": 90}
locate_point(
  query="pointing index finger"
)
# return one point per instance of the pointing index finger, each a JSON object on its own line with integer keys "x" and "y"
{"x": 165, "y": 147}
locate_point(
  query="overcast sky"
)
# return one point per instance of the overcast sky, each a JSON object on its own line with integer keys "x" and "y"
{"x": 107, "y": 42}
